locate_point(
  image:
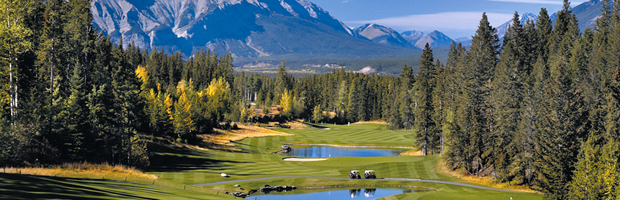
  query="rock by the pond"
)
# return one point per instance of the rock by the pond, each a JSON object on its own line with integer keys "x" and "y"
{"x": 239, "y": 194}
{"x": 267, "y": 188}
{"x": 252, "y": 192}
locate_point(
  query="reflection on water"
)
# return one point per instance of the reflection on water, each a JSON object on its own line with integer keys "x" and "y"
{"x": 326, "y": 152}
{"x": 368, "y": 193}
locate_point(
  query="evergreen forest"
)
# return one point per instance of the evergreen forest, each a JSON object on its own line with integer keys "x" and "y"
{"x": 539, "y": 108}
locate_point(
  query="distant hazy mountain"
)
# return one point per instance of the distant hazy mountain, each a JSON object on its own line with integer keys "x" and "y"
{"x": 586, "y": 14}
{"x": 465, "y": 41}
{"x": 412, "y": 36}
{"x": 382, "y": 35}
{"x": 245, "y": 28}
{"x": 501, "y": 30}
{"x": 434, "y": 39}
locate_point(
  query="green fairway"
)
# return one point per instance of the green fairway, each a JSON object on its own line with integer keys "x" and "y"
{"x": 186, "y": 166}
{"x": 183, "y": 167}
{"x": 14, "y": 186}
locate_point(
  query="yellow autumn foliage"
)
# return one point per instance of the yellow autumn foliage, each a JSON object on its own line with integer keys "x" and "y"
{"x": 143, "y": 75}
{"x": 169, "y": 103}
{"x": 183, "y": 122}
{"x": 286, "y": 101}
{"x": 218, "y": 87}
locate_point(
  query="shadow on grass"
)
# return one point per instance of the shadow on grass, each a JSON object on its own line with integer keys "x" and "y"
{"x": 178, "y": 159}
{"x": 316, "y": 126}
{"x": 15, "y": 186}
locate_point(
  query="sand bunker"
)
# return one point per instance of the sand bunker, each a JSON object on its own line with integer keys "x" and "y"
{"x": 304, "y": 159}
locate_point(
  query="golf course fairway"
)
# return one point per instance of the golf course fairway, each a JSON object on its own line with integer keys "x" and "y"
{"x": 256, "y": 161}
{"x": 194, "y": 173}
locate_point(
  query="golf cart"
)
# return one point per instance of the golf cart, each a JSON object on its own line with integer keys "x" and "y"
{"x": 369, "y": 174}
{"x": 355, "y": 174}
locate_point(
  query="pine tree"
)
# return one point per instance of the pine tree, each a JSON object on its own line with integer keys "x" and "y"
{"x": 561, "y": 126}
{"x": 456, "y": 122}
{"x": 587, "y": 182}
{"x": 424, "y": 126}
{"x": 507, "y": 97}
{"x": 80, "y": 35}
{"x": 354, "y": 101}
{"x": 406, "y": 111}
{"x": 439, "y": 97}
{"x": 127, "y": 105}
{"x": 69, "y": 128}
{"x": 543, "y": 29}
{"x": 282, "y": 80}
{"x": 481, "y": 61}
{"x": 506, "y": 104}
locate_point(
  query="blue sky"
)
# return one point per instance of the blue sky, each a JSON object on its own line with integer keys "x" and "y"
{"x": 455, "y": 18}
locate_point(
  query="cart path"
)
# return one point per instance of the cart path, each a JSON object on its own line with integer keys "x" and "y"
{"x": 389, "y": 179}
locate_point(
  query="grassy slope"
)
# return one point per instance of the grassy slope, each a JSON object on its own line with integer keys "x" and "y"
{"x": 14, "y": 186}
{"x": 187, "y": 166}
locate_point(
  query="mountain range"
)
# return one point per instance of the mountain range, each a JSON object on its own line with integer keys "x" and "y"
{"x": 270, "y": 30}
{"x": 245, "y": 28}
{"x": 410, "y": 39}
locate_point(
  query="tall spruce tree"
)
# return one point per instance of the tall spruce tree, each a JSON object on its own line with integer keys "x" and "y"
{"x": 424, "y": 125}
{"x": 507, "y": 98}
{"x": 406, "y": 110}
{"x": 561, "y": 124}
{"x": 481, "y": 61}
{"x": 439, "y": 97}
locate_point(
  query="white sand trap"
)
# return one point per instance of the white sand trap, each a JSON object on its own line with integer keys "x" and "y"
{"x": 305, "y": 159}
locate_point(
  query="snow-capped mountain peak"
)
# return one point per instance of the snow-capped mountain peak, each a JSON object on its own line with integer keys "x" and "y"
{"x": 224, "y": 25}
{"x": 381, "y": 34}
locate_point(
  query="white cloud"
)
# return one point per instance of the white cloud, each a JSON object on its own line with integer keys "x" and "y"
{"x": 457, "y": 21}
{"x": 549, "y": 2}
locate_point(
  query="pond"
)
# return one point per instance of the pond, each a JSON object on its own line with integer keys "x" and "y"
{"x": 327, "y": 152}
{"x": 368, "y": 193}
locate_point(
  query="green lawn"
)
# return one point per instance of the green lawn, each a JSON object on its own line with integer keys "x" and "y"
{"x": 178, "y": 167}
{"x": 187, "y": 166}
{"x": 14, "y": 186}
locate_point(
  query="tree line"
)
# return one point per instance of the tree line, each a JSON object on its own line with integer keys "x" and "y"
{"x": 540, "y": 108}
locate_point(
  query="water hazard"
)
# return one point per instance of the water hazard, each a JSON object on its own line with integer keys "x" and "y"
{"x": 327, "y": 152}
{"x": 372, "y": 193}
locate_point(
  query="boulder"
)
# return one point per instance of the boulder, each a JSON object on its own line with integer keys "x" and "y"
{"x": 239, "y": 194}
